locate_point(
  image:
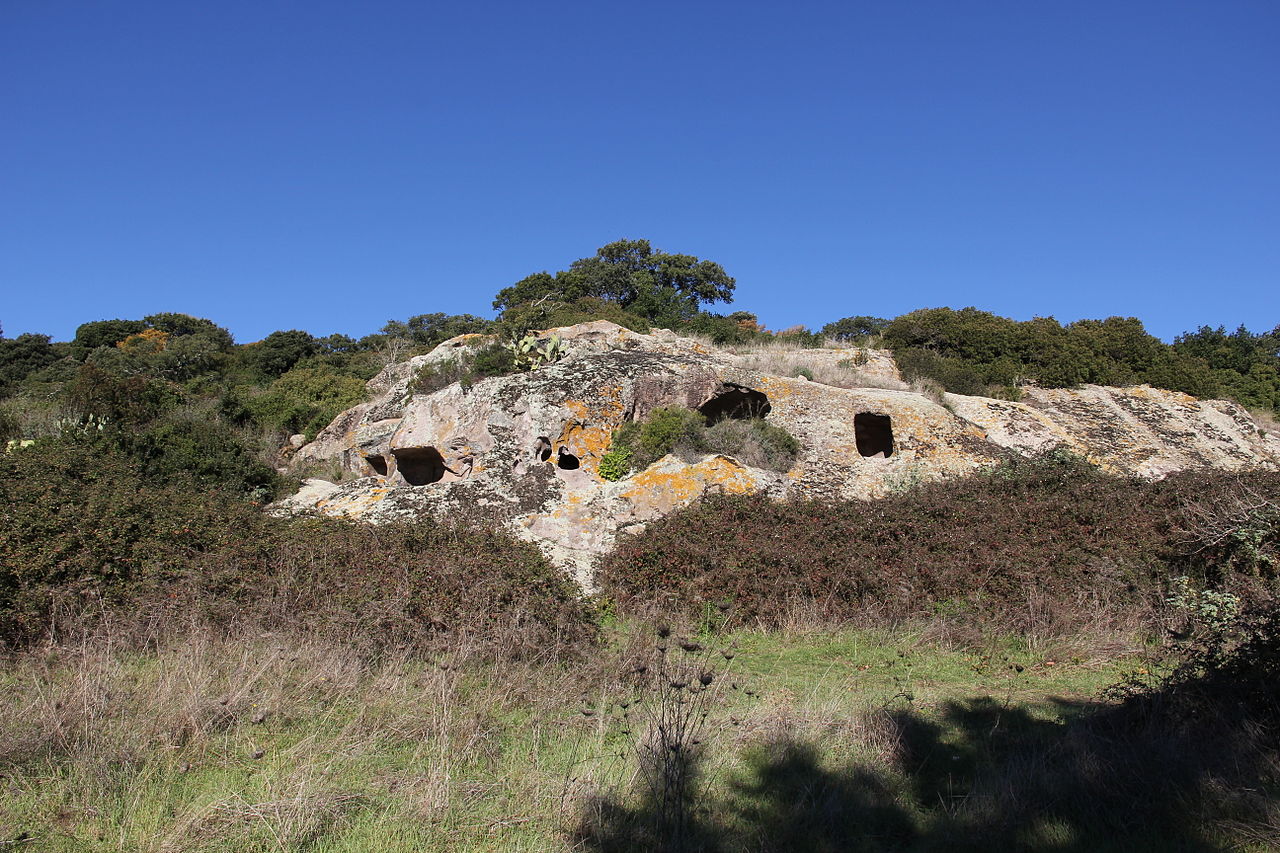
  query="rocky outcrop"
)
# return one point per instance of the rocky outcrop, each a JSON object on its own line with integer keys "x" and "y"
{"x": 524, "y": 450}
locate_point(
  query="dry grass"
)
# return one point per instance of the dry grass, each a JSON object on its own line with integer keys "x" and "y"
{"x": 819, "y": 367}
{"x": 261, "y": 741}
{"x": 1267, "y": 421}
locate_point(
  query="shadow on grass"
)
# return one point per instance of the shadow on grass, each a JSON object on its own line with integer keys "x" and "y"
{"x": 979, "y": 776}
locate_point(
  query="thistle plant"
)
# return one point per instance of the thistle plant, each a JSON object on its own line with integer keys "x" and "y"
{"x": 679, "y": 691}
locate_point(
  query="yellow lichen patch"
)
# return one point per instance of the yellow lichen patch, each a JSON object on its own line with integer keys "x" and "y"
{"x": 352, "y": 506}
{"x": 663, "y": 488}
{"x": 589, "y": 432}
{"x": 777, "y": 388}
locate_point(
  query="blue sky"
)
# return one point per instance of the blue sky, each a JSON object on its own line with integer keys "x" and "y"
{"x": 331, "y": 165}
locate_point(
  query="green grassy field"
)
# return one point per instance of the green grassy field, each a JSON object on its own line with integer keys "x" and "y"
{"x": 270, "y": 743}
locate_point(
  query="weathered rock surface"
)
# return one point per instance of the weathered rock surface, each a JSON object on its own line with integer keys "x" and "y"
{"x": 524, "y": 450}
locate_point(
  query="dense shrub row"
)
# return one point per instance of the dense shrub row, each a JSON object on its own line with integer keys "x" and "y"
{"x": 1027, "y": 544}
{"x": 85, "y": 533}
{"x": 975, "y": 352}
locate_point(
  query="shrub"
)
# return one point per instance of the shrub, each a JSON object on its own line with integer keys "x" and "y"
{"x": 207, "y": 450}
{"x": 855, "y": 330}
{"x": 468, "y": 367}
{"x": 753, "y": 442}
{"x": 666, "y": 430}
{"x": 120, "y": 400}
{"x": 615, "y": 464}
{"x": 90, "y": 536}
{"x": 24, "y": 355}
{"x": 685, "y": 432}
{"x": 85, "y": 526}
{"x": 1035, "y": 544}
{"x": 9, "y": 427}
{"x": 304, "y": 400}
{"x": 952, "y": 374}
{"x": 494, "y": 360}
{"x": 430, "y": 378}
{"x": 275, "y": 354}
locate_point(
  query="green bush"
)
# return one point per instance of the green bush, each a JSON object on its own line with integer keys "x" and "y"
{"x": 430, "y": 378}
{"x": 121, "y": 400}
{"x": 468, "y": 367}
{"x": 952, "y": 374}
{"x": 666, "y": 430}
{"x": 753, "y": 442}
{"x": 685, "y": 432}
{"x": 967, "y": 350}
{"x": 24, "y": 355}
{"x": 615, "y": 464}
{"x": 85, "y": 526}
{"x": 855, "y": 330}
{"x": 494, "y": 360}
{"x": 303, "y": 400}
{"x": 278, "y": 352}
{"x": 88, "y": 535}
{"x": 206, "y": 449}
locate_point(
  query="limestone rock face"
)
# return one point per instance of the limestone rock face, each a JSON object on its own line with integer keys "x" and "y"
{"x": 1142, "y": 431}
{"x": 524, "y": 450}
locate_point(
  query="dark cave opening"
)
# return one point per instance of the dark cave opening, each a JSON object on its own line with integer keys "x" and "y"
{"x": 873, "y": 434}
{"x": 735, "y": 402}
{"x": 419, "y": 465}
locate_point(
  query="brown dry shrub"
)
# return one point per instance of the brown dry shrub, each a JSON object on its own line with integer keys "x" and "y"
{"x": 1043, "y": 545}
{"x": 86, "y": 538}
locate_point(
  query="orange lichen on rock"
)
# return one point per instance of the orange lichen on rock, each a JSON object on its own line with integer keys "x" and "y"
{"x": 352, "y": 506}
{"x": 589, "y": 432}
{"x": 663, "y": 488}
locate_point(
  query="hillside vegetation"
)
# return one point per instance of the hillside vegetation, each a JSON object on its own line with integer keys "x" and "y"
{"x": 1038, "y": 657}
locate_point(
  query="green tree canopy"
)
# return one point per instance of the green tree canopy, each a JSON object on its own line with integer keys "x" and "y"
{"x": 428, "y": 330}
{"x": 103, "y": 333}
{"x": 855, "y": 329}
{"x": 24, "y": 355}
{"x": 659, "y": 286}
{"x": 279, "y": 351}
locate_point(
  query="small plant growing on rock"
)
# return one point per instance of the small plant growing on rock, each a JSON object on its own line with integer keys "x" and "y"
{"x": 531, "y": 353}
{"x": 752, "y": 441}
{"x": 468, "y": 369}
{"x": 615, "y": 464}
{"x": 666, "y": 430}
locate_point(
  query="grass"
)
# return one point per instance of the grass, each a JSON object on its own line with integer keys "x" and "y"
{"x": 817, "y": 366}
{"x": 269, "y": 743}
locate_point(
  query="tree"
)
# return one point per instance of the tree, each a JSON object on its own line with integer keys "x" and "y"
{"x": 662, "y": 287}
{"x": 103, "y": 333}
{"x": 179, "y": 325}
{"x": 428, "y": 330}
{"x": 279, "y": 351}
{"x": 855, "y": 329}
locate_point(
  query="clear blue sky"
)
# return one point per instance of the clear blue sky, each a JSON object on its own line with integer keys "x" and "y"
{"x": 331, "y": 165}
